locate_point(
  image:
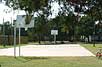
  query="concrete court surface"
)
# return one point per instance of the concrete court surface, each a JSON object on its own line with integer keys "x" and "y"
{"x": 48, "y": 50}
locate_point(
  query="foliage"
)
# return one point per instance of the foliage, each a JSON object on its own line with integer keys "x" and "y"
{"x": 29, "y": 6}
{"x": 41, "y": 26}
{"x": 6, "y": 31}
{"x": 66, "y": 20}
{"x": 86, "y": 26}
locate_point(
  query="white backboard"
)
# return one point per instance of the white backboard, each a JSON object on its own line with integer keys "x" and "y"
{"x": 20, "y": 22}
{"x": 54, "y": 32}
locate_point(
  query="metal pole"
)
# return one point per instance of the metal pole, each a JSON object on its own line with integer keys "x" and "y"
{"x": 3, "y": 32}
{"x": 55, "y": 39}
{"x": 14, "y": 36}
{"x": 94, "y": 37}
{"x": 14, "y": 40}
{"x": 19, "y": 40}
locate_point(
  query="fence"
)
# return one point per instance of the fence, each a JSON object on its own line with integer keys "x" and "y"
{"x": 9, "y": 40}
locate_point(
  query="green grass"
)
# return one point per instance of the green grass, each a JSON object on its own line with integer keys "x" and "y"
{"x": 54, "y": 61}
{"x": 9, "y": 46}
{"x": 50, "y": 62}
{"x": 91, "y": 48}
{"x": 2, "y": 47}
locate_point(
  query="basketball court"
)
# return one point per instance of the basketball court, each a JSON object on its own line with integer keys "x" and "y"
{"x": 48, "y": 50}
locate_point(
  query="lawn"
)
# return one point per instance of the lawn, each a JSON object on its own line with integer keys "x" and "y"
{"x": 54, "y": 61}
{"x": 91, "y": 48}
{"x": 2, "y": 47}
{"x": 50, "y": 62}
{"x": 9, "y": 46}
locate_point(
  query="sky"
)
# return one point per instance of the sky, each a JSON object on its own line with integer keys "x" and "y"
{"x": 3, "y": 14}
{"x": 7, "y": 13}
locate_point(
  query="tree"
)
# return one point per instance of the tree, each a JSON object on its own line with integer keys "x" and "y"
{"x": 6, "y": 31}
{"x": 86, "y": 26}
{"x": 41, "y": 26}
{"x": 92, "y": 8}
{"x": 29, "y": 6}
{"x": 69, "y": 21}
{"x": 69, "y": 25}
{"x": 41, "y": 7}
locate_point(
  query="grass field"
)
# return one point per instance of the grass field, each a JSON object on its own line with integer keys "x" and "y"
{"x": 91, "y": 48}
{"x": 9, "y": 46}
{"x": 50, "y": 62}
{"x": 1, "y": 47}
{"x": 54, "y": 61}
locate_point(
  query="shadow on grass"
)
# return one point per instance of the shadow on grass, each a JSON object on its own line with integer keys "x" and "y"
{"x": 27, "y": 59}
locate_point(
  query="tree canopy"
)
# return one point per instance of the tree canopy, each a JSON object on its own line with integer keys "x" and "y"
{"x": 69, "y": 17}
